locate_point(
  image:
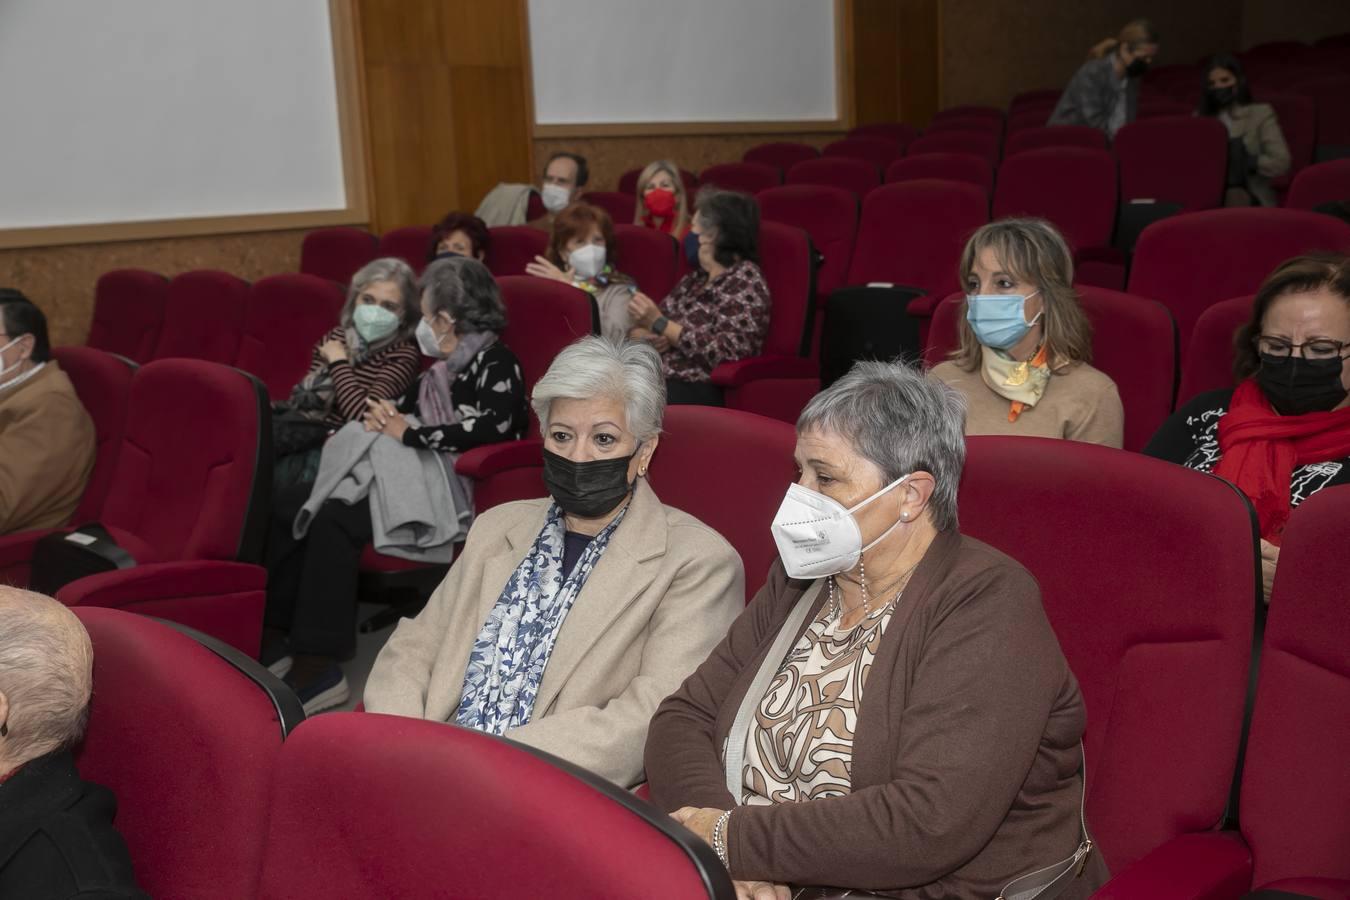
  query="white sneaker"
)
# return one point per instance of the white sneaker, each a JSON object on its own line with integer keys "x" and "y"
{"x": 282, "y": 667}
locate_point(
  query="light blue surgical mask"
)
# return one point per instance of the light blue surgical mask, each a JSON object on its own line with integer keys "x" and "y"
{"x": 999, "y": 320}
{"x": 374, "y": 323}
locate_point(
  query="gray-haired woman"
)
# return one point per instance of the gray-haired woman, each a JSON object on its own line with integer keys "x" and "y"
{"x": 566, "y": 620}
{"x": 892, "y": 712}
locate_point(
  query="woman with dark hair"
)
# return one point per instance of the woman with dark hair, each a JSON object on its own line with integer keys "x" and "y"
{"x": 459, "y": 234}
{"x": 1228, "y": 97}
{"x": 719, "y": 311}
{"x": 582, "y": 252}
{"x": 1284, "y": 432}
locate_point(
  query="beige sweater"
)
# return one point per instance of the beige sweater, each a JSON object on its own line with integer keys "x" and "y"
{"x": 1080, "y": 404}
{"x": 46, "y": 451}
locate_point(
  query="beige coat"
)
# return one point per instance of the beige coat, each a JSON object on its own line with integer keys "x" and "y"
{"x": 663, "y": 594}
{"x": 1259, "y": 128}
{"x": 46, "y": 451}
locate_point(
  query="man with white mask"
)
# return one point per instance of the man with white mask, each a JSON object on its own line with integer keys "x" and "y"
{"x": 46, "y": 436}
{"x": 565, "y": 174}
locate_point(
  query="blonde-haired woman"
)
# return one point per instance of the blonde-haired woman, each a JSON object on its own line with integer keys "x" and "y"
{"x": 662, "y": 202}
{"x": 1104, "y": 92}
{"x": 1022, "y": 364}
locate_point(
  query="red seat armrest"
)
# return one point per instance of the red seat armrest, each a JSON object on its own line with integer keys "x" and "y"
{"x": 482, "y": 463}
{"x": 1100, "y": 255}
{"x": 163, "y": 581}
{"x": 1216, "y": 865}
{"x": 737, "y": 372}
{"x": 922, "y": 307}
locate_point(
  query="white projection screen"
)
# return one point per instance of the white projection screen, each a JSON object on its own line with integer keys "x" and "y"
{"x": 605, "y": 65}
{"x": 145, "y": 115}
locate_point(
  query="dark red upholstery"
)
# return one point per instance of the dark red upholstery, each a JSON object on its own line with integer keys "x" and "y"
{"x": 738, "y": 497}
{"x": 1036, "y": 98}
{"x": 749, "y": 177}
{"x": 900, "y": 132}
{"x": 1209, "y": 357}
{"x": 983, "y": 145}
{"x": 204, "y": 318}
{"x": 966, "y": 123}
{"x": 780, "y": 154}
{"x": 878, "y": 151}
{"x": 409, "y": 244}
{"x": 836, "y": 171}
{"x": 1030, "y": 117}
{"x": 1325, "y": 182}
{"x": 1054, "y": 136}
{"x": 1174, "y": 158}
{"x": 621, "y": 206}
{"x": 103, "y": 384}
{"x": 1073, "y": 187}
{"x": 513, "y": 247}
{"x": 775, "y": 398}
{"x": 1153, "y": 107}
{"x": 1175, "y": 262}
{"x": 829, "y": 215}
{"x": 649, "y": 257}
{"x": 1133, "y": 342}
{"x": 188, "y": 745}
{"x": 948, "y": 166}
{"x": 1331, "y": 95}
{"x": 1273, "y": 50}
{"x": 1115, "y": 539}
{"x": 969, "y": 112}
{"x": 628, "y": 181}
{"x": 284, "y": 318}
{"x": 369, "y": 805}
{"x": 128, "y": 312}
{"x": 337, "y": 253}
{"x": 1297, "y": 116}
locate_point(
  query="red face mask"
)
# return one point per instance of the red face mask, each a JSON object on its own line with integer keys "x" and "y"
{"x": 660, "y": 201}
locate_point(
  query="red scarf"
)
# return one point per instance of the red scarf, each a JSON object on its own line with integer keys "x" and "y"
{"x": 1261, "y": 449}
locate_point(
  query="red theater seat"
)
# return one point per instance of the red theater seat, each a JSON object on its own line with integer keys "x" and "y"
{"x": 628, "y": 181}
{"x": 621, "y": 206}
{"x": 1036, "y": 98}
{"x": 748, "y": 177}
{"x": 966, "y": 123}
{"x": 513, "y": 247}
{"x": 900, "y": 132}
{"x": 186, "y": 735}
{"x": 369, "y": 805}
{"x": 1073, "y": 187}
{"x": 947, "y": 166}
{"x": 1164, "y": 680}
{"x": 969, "y": 112}
{"x": 1054, "y": 136}
{"x": 649, "y": 257}
{"x": 829, "y": 215}
{"x": 204, "y": 317}
{"x": 284, "y": 318}
{"x": 1297, "y": 115}
{"x": 1330, "y": 93}
{"x": 337, "y": 253}
{"x": 878, "y": 151}
{"x": 411, "y": 244}
{"x": 981, "y": 144}
{"x": 128, "y": 313}
{"x": 1030, "y": 117}
{"x": 1209, "y": 358}
{"x": 1179, "y": 159}
{"x": 1325, "y": 182}
{"x": 782, "y": 155}
{"x": 854, "y": 175}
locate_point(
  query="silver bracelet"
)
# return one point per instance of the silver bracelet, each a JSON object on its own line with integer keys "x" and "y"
{"x": 719, "y": 837}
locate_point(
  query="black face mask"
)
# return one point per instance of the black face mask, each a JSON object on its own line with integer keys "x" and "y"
{"x": 1221, "y": 97}
{"x": 1295, "y": 386}
{"x": 587, "y": 489}
{"x": 1136, "y": 68}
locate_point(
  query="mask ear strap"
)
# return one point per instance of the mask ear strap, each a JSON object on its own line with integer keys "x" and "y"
{"x": 897, "y": 482}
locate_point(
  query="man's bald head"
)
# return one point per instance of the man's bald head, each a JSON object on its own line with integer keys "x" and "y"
{"x": 46, "y": 674}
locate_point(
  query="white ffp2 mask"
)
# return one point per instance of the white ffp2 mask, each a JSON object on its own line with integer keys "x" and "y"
{"x": 588, "y": 261}
{"x": 555, "y": 197}
{"x": 818, "y": 536}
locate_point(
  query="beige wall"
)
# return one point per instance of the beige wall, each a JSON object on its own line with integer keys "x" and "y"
{"x": 1293, "y": 20}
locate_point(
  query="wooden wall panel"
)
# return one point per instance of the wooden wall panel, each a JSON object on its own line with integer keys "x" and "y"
{"x": 876, "y": 61}
{"x": 1293, "y": 20}
{"x": 920, "y": 63}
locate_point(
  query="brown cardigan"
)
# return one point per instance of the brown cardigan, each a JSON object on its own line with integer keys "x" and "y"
{"x": 966, "y": 755}
{"x": 47, "y": 448}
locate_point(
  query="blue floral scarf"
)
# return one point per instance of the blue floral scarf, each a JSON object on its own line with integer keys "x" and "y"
{"x": 511, "y": 651}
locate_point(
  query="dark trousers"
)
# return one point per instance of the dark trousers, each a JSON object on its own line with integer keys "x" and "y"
{"x": 701, "y": 393}
{"x": 312, "y": 582}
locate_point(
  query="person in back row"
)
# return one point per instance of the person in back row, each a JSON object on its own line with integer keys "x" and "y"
{"x": 57, "y": 840}
{"x": 566, "y": 620}
{"x": 582, "y": 252}
{"x": 1254, "y": 125}
{"x": 720, "y": 310}
{"x": 565, "y": 174}
{"x": 1104, "y": 92}
{"x": 1283, "y": 433}
{"x": 459, "y": 234}
{"x": 1023, "y": 361}
{"x": 662, "y": 202}
{"x": 46, "y": 436}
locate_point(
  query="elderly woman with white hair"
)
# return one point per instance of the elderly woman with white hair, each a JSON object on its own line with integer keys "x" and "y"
{"x": 892, "y": 713}
{"x": 566, "y": 620}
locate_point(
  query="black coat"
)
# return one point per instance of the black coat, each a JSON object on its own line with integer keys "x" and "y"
{"x": 57, "y": 838}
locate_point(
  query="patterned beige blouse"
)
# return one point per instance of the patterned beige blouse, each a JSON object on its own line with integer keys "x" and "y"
{"x": 800, "y": 744}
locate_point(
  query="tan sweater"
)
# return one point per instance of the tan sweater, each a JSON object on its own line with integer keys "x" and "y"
{"x": 1080, "y": 403}
{"x": 46, "y": 451}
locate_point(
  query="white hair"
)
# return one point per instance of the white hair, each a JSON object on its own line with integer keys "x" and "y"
{"x": 46, "y": 671}
{"x": 629, "y": 372}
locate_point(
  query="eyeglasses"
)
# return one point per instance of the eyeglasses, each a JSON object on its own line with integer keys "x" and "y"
{"x": 1323, "y": 348}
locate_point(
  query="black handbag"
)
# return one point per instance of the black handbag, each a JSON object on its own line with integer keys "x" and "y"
{"x": 867, "y": 322}
{"x": 59, "y": 559}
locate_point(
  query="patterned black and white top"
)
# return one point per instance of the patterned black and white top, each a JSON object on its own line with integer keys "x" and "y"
{"x": 1191, "y": 437}
{"x": 489, "y": 396}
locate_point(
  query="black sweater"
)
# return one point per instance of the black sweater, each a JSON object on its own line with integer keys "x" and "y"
{"x": 489, "y": 396}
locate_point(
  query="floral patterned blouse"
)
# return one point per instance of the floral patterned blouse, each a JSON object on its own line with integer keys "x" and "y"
{"x": 725, "y": 318}
{"x": 489, "y": 397}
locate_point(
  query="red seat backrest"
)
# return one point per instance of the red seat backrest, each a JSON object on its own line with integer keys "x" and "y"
{"x": 1174, "y": 158}
{"x": 758, "y": 468}
{"x": 780, "y": 154}
{"x": 788, "y": 269}
{"x": 1324, "y": 182}
{"x": 410, "y": 244}
{"x": 913, "y": 232}
{"x": 749, "y": 177}
{"x": 543, "y": 316}
{"x": 513, "y": 247}
{"x": 204, "y": 317}
{"x": 362, "y": 809}
{"x": 1031, "y": 116}
{"x": 829, "y": 215}
{"x": 1155, "y": 107}
{"x": 1297, "y": 116}
{"x": 1331, "y": 95}
{"x": 622, "y": 207}
{"x": 878, "y": 151}
{"x": 1209, "y": 356}
{"x": 128, "y": 312}
{"x": 649, "y": 257}
{"x": 966, "y": 123}
{"x": 1147, "y": 664}
{"x": 188, "y": 745}
{"x": 854, "y": 175}
{"x": 1295, "y": 781}
{"x": 981, "y": 144}
{"x": 969, "y": 112}
{"x": 285, "y": 317}
{"x": 337, "y": 253}
{"x": 900, "y": 132}
{"x": 1073, "y": 187}
{"x": 628, "y": 181}
{"x": 197, "y": 441}
{"x": 103, "y": 384}
{"x": 1054, "y": 136}
{"x": 965, "y": 167}
{"x": 1037, "y": 98}
{"x": 1175, "y": 260}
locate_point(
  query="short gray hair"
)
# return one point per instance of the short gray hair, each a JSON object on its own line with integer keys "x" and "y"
{"x": 386, "y": 269}
{"x": 903, "y": 421}
{"x": 46, "y": 671}
{"x": 466, "y": 290}
{"x": 594, "y": 366}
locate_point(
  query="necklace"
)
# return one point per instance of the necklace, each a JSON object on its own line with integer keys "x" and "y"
{"x": 899, "y": 585}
